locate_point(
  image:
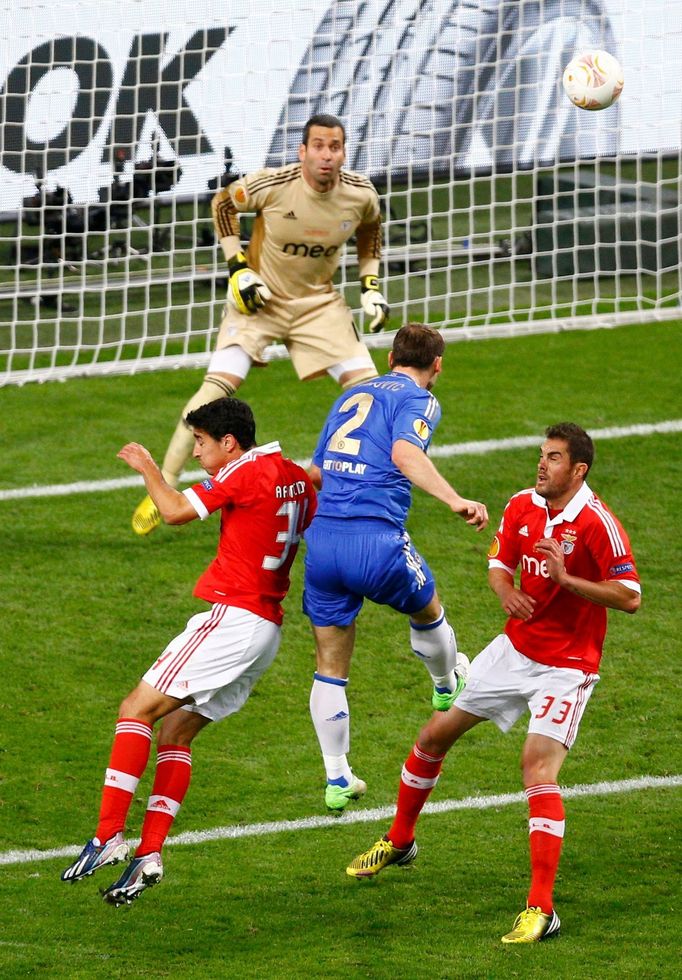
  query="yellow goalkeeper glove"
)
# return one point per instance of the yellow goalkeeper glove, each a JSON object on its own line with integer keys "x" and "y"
{"x": 373, "y": 303}
{"x": 246, "y": 291}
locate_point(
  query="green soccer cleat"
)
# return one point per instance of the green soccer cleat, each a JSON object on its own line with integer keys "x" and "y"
{"x": 379, "y": 856}
{"x": 338, "y": 797}
{"x": 533, "y": 925}
{"x": 444, "y": 700}
{"x": 146, "y": 517}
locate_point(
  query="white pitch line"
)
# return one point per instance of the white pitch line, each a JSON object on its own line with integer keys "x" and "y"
{"x": 527, "y": 442}
{"x": 443, "y": 452}
{"x": 360, "y": 816}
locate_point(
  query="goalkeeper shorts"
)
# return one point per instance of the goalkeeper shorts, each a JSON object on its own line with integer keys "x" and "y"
{"x": 318, "y": 332}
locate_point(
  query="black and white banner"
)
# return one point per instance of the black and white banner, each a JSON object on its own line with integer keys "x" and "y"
{"x": 429, "y": 87}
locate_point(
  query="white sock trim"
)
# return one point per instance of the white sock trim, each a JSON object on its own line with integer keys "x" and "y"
{"x": 546, "y": 826}
{"x": 163, "y": 804}
{"x": 417, "y": 782}
{"x": 121, "y": 780}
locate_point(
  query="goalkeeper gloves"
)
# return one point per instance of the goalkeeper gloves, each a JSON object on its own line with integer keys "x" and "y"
{"x": 373, "y": 303}
{"x": 246, "y": 291}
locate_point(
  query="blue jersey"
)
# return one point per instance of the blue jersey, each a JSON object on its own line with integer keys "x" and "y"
{"x": 359, "y": 478}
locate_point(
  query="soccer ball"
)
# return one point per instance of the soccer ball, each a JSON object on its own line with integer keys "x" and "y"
{"x": 593, "y": 80}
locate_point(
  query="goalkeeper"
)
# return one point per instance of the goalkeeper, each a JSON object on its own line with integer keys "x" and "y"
{"x": 281, "y": 288}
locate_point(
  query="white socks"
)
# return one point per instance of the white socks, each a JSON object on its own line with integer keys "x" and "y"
{"x": 436, "y": 647}
{"x": 331, "y": 719}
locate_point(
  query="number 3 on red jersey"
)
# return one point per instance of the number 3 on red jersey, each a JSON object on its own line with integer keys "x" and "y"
{"x": 295, "y": 515}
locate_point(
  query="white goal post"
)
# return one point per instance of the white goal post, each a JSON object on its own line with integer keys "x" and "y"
{"x": 507, "y": 210}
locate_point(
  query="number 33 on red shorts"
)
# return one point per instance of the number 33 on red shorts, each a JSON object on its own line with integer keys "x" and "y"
{"x": 503, "y": 684}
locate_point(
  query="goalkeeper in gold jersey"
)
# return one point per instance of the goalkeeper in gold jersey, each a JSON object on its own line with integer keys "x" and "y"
{"x": 281, "y": 289}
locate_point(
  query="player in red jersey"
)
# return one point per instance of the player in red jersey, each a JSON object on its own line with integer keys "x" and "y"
{"x": 575, "y": 563}
{"x": 207, "y": 672}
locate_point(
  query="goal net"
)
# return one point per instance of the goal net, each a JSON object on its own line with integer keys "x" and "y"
{"x": 507, "y": 210}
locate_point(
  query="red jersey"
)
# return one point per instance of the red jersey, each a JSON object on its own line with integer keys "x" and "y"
{"x": 565, "y": 630}
{"x": 267, "y": 502}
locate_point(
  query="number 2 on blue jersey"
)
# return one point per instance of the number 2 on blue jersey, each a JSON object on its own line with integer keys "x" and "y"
{"x": 340, "y": 442}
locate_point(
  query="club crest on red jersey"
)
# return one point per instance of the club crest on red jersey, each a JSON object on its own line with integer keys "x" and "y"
{"x": 568, "y": 540}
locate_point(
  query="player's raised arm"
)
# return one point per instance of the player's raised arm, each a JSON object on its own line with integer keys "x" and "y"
{"x": 173, "y": 506}
{"x": 226, "y": 223}
{"x": 420, "y": 471}
{"x": 610, "y": 593}
{"x": 246, "y": 291}
{"x": 368, "y": 237}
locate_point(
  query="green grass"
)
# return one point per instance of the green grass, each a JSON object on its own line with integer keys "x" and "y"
{"x": 87, "y": 606}
{"x": 282, "y": 907}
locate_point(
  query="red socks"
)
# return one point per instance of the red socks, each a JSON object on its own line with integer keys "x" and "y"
{"x": 128, "y": 760}
{"x": 171, "y": 782}
{"x": 419, "y": 776}
{"x": 546, "y": 828}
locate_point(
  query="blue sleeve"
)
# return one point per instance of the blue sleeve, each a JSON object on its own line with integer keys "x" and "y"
{"x": 417, "y": 420}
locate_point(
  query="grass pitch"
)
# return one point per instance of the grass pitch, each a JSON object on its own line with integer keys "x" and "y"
{"x": 87, "y": 606}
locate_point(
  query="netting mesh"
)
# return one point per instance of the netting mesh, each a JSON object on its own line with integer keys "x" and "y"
{"x": 506, "y": 209}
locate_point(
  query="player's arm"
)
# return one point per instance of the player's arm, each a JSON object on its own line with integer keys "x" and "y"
{"x": 420, "y": 471}
{"x": 246, "y": 291}
{"x": 610, "y": 593}
{"x": 514, "y": 602}
{"x": 226, "y": 223}
{"x": 315, "y": 474}
{"x": 173, "y": 506}
{"x": 368, "y": 238}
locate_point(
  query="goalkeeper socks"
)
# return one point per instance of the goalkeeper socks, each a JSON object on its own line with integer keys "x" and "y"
{"x": 171, "y": 782}
{"x": 436, "y": 647}
{"x": 182, "y": 441}
{"x": 546, "y": 828}
{"x": 420, "y": 774}
{"x": 331, "y": 719}
{"x": 128, "y": 760}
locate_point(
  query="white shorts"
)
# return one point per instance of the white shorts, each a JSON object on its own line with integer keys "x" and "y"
{"x": 503, "y": 684}
{"x": 216, "y": 660}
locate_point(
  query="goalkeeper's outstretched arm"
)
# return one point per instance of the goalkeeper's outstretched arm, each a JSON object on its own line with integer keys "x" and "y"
{"x": 226, "y": 223}
{"x": 246, "y": 291}
{"x": 368, "y": 237}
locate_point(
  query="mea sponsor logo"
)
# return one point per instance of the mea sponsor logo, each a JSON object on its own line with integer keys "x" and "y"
{"x": 533, "y": 566}
{"x": 309, "y": 251}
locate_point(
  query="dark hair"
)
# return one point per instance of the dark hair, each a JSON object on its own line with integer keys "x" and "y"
{"x": 225, "y": 416}
{"x": 580, "y": 445}
{"x": 416, "y": 345}
{"x": 326, "y": 121}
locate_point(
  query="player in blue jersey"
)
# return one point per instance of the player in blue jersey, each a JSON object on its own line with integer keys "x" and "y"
{"x": 371, "y": 452}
